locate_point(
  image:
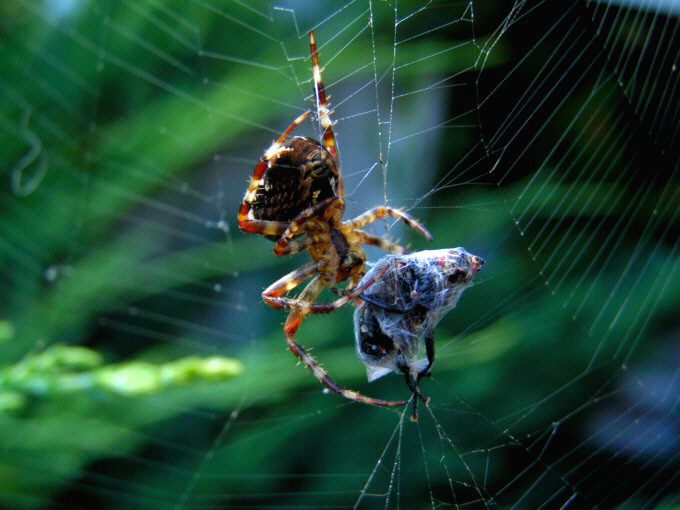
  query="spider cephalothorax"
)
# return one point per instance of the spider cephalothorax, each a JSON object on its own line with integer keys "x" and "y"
{"x": 296, "y": 198}
{"x": 401, "y": 308}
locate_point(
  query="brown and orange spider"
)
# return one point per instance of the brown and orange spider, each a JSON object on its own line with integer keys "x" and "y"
{"x": 296, "y": 198}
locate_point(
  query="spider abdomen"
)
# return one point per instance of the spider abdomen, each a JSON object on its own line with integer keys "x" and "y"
{"x": 300, "y": 174}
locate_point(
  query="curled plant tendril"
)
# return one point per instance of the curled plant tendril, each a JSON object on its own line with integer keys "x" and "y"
{"x": 22, "y": 185}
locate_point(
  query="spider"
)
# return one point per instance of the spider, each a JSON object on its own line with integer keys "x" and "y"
{"x": 296, "y": 198}
{"x": 408, "y": 296}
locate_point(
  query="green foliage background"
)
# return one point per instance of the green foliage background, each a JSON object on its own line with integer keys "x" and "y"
{"x": 178, "y": 408}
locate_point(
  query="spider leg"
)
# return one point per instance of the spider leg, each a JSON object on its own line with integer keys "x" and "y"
{"x": 263, "y": 226}
{"x": 429, "y": 349}
{"x": 413, "y": 386}
{"x": 380, "y": 212}
{"x": 359, "y": 236}
{"x": 324, "y": 112}
{"x": 274, "y": 294}
{"x": 294, "y": 246}
{"x": 293, "y": 323}
{"x": 414, "y": 381}
{"x": 322, "y": 105}
{"x": 329, "y": 383}
{"x": 332, "y": 209}
{"x": 300, "y": 307}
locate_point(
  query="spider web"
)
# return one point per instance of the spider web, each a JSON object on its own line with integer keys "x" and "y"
{"x": 140, "y": 368}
